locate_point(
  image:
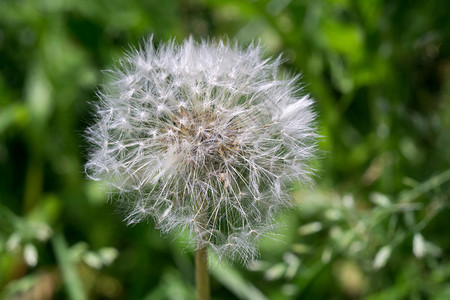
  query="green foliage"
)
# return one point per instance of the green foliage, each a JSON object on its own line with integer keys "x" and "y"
{"x": 375, "y": 227}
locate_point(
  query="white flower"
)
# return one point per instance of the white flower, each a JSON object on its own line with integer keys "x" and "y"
{"x": 205, "y": 137}
{"x": 419, "y": 245}
{"x": 382, "y": 257}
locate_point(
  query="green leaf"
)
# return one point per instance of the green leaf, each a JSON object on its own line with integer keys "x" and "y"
{"x": 72, "y": 281}
{"x": 233, "y": 280}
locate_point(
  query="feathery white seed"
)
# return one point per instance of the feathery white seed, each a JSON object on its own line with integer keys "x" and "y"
{"x": 204, "y": 137}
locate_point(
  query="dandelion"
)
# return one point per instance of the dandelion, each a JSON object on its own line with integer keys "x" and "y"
{"x": 205, "y": 137}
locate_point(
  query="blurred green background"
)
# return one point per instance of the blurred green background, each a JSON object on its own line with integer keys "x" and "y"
{"x": 377, "y": 224}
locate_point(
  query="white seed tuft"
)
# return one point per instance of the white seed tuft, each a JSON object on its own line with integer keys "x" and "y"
{"x": 204, "y": 137}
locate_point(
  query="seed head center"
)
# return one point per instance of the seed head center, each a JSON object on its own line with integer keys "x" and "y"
{"x": 202, "y": 136}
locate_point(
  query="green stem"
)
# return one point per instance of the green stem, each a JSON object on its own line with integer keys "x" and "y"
{"x": 201, "y": 274}
{"x": 201, "y": 252}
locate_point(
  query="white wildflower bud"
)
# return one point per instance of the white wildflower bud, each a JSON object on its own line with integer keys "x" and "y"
{"x": 310, "y": 228}
{"x": 419, "y": 248}
{"x": 205, "y": 137}
{"x": 13, "y": 242}
{"x": 30, "y": 255}
{"x": 382, "y": 257}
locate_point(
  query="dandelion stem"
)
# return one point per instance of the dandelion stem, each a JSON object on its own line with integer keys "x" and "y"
{"x": 201, "y": 252}
{"x": 201, "y": 273}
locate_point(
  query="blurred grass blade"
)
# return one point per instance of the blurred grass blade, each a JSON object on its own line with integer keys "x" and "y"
{"x": 172, "y": 286}
{"x": 427, "y": 186}
{"x": 8, "y": 220}
{"x": 14, "y": 114}
{"x": 233, "y": 280}
{"x": 72, "y": 282}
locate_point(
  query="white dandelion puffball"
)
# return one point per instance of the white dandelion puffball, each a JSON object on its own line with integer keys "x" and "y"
{"x": 203, "y": 136}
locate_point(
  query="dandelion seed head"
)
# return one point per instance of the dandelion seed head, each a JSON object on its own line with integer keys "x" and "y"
{"x": 205, "y": 137}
